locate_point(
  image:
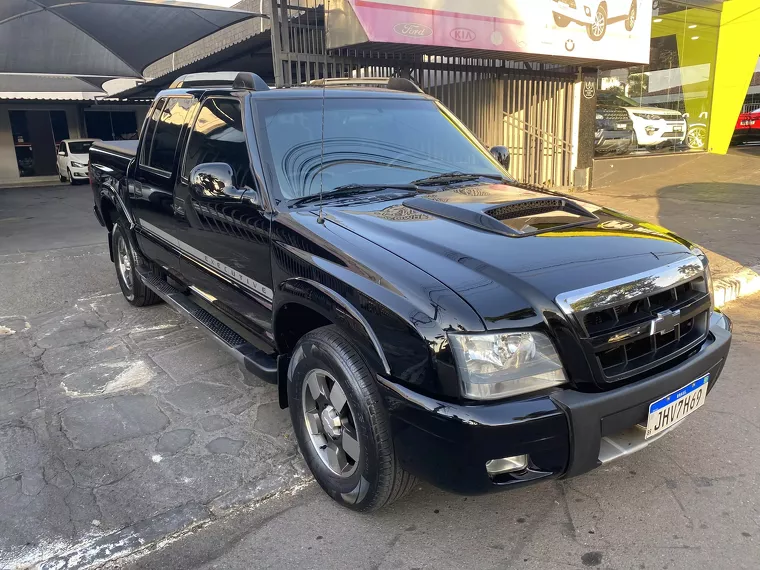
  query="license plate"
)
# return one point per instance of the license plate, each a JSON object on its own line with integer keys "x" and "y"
{"x": 674, "y": 407}
{"x": 677, "y": 129}
{"x": 621, "y": 126}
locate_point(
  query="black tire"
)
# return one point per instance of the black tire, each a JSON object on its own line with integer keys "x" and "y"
{"x": 601, "y": 15}
{"x": 61, "y": 177}
{"x": 630, "y": 20}
{"x": 71, "y": 178}
{"x": 134, "y": 290}
{"x": 377, "y": 479}
{"x": 561, "y": 20}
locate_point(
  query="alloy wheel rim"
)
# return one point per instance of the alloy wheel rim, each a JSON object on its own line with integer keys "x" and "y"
{"x": 330, "y": 423}
{"x": 125, "y": 262}
{"x": 598, "y": 26}
{"x": 695, "y": 138}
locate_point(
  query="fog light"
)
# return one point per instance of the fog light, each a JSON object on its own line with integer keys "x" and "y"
{"x": 587, "y": 10}
{"x": 507, "y": 465}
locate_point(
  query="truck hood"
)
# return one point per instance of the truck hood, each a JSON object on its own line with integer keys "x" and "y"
{"x": 507, "y": 251}
{"x": 669, "y": 113}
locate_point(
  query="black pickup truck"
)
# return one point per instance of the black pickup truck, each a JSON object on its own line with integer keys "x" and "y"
{"x": 423, "y": 314}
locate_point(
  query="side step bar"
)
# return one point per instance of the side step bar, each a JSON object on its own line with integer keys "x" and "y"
{"x": 254, "y": 360}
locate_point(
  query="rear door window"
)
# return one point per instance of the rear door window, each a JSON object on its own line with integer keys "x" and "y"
{"x": 160, "y": 143}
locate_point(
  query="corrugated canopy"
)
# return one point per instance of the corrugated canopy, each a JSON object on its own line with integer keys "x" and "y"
{"x": 114, "y": 38}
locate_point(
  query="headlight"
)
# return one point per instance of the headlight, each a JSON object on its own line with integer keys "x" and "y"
{"x": 599, "y": 116}
{"x": 648, "y": 116}
{"x": 78, "y": 164}
{"x": 708, "y": 274}
{"x": 499, "y": 365}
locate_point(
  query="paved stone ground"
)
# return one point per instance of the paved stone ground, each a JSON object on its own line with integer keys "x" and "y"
{"x": 111, "y": 415}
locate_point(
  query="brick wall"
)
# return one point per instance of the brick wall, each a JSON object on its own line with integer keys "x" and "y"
{"x": 215, "y": 42}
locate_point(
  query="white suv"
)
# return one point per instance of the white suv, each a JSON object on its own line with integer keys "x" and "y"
{"x": 595, "y": 14}
{"x": 654, "y": 126}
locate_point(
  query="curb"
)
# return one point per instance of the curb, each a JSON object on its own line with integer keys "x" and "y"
{"x": 744, "y": 282}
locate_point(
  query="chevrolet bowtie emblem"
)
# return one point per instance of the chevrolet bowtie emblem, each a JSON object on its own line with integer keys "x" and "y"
{"x": 665, "y": 322}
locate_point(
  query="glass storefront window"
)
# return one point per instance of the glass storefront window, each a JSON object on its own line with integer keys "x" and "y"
{"x": 663, "y": 106}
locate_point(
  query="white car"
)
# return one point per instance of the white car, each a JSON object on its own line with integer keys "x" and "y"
{"x": 596, "y": 14}
{"x": 74, "y": 159}
{"x": 654, "y": 126}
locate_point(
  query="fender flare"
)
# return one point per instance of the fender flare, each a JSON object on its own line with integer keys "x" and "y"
{"x": 345, "y": 306}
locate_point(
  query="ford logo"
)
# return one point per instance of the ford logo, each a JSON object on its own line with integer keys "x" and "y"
{"x": 413, "y": 30}
{"x": 462, "y": 34}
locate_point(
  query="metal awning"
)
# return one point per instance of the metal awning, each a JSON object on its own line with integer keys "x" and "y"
{"x": 251, "y": 54}
{"x": 107, "y": 38}
{"x": 50, "y": 87}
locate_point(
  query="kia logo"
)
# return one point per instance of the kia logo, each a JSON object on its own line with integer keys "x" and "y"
{"x": 412, "y": 30}
{"x": 462, "y": 35}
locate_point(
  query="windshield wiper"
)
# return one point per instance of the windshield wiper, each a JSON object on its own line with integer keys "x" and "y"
{"x": 452, "y": 177}
{"x": 352, "y": 190}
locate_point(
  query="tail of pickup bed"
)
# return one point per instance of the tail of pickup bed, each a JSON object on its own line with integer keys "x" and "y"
{"x": 109, "y": 168}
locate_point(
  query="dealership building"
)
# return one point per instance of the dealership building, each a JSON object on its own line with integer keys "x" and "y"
{"x": 569, "y": 86}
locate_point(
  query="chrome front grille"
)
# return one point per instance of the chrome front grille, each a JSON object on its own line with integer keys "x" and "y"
{"x": 630, "y": 326}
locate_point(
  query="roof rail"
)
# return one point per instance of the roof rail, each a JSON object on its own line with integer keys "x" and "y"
{"x": 394, "y": 83}
{"x": 234, "y": 79}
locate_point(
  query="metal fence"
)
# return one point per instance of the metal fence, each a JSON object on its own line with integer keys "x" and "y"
{"x": 527, "y": 107}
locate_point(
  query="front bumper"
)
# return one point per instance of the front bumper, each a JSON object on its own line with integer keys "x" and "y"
{"x": 619, "y": 141}
{"x": 651, "y": 133}
{"x": 580, "y": 13}
{"x": 565, "y": 433}
{"x": 79, "y": 173}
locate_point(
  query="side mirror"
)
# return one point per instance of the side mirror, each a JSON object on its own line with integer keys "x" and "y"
{"x": 61, "y": 153}
{"x": 214, "y": 181}
{"x": 501, "y": 154}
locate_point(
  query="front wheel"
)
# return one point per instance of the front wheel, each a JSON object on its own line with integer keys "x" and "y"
{"x": 561, "y": 20}
{"x": 341, "y": 423}
{"x": 598, "y": 27}
{"x": 125, "y": 260}
{"x": 696, "y": 137}
{"x": 70, "y": 177}
{"x": 630, "y": 20}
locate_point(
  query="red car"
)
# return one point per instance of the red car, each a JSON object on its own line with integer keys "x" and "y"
{"x": 747, "y": 127}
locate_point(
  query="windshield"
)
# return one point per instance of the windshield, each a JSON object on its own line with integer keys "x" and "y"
{"x": 367, "y": 141}
{"x": 82, "y": 147}
{"x": 616, "y": 99}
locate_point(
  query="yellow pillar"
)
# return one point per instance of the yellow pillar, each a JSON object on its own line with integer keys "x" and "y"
{"x": 737, "y": 53}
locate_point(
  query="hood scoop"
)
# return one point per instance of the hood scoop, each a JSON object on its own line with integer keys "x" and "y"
{"x": 514, "y": 219}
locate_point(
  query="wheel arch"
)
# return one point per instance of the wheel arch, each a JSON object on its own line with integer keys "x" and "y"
{"x": 304, "y": 304}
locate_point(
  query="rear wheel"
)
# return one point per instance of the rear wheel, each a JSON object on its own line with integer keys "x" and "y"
{"x": 341, "y": 423}
{"x": 561, "y": 20}
{"x": 598, "y": 26}
{"x": 125, "y": 260}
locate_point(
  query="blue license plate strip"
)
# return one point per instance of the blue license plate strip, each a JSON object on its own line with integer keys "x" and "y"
{"x": 671, "y": 398}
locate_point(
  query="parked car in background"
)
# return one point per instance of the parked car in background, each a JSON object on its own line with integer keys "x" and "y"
{"x": 614, "y": 131}
{"x": 747, "y": 127}
{"x": 655, "y": 127}
{"x": 595, "y": 15}
{"x": 74, "y": 159}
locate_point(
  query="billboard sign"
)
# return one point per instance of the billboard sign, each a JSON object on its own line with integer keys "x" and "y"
{"x": 609, "y": 30}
